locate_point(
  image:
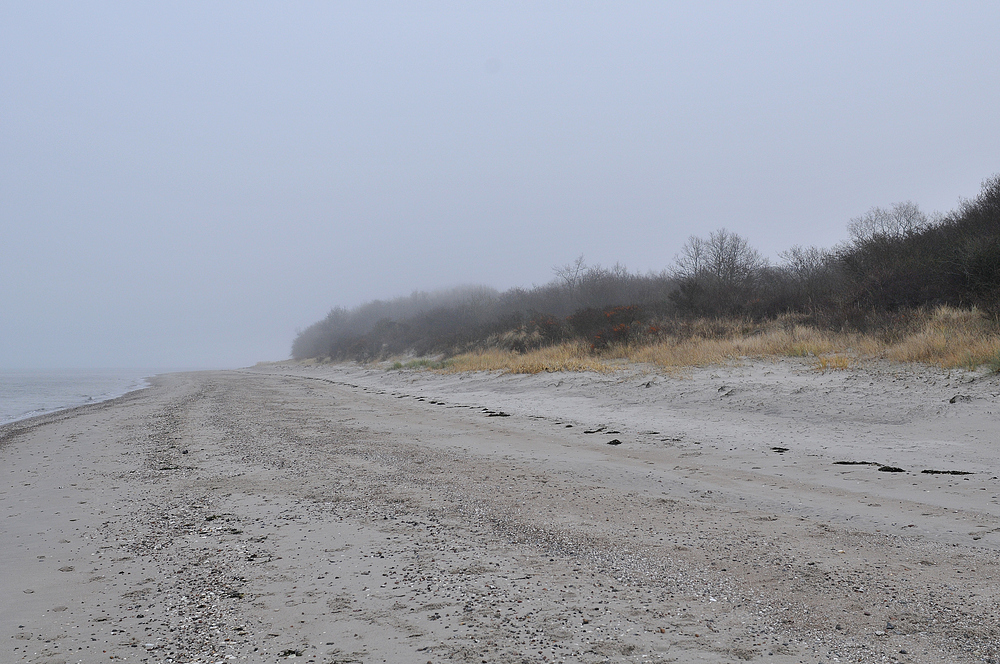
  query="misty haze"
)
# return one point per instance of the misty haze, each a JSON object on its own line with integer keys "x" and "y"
{"x": 524, "y": 332}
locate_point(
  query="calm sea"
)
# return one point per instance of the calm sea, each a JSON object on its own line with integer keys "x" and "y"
{"x": 29, "y": 392}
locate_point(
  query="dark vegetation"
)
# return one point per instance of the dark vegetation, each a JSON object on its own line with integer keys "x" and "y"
{"x": 897, "y": 260}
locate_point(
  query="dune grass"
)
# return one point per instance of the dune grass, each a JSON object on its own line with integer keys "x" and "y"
{"x": 951, "y": 338}
{"x": 943, "y": 337}
{"x": 568, "y": 356}
{"x": 793, "y": 341}
{"x": 739, "y": 341}
{"x": 421, "y": 363}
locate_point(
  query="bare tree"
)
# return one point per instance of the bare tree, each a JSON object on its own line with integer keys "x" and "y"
{"x": 805, "y": 263}
{"x": 733, "y": 260}
{"x": 691, "y": 262}
{"x": 572, "y": 273}
{"x": 902, "y": 220}
{"x": 725, "y": 258}
{"x": 717, "y": 275}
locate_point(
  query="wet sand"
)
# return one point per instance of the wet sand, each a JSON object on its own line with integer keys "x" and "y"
{"x": 764, "y": 512}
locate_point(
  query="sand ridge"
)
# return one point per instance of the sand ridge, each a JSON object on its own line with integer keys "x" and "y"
{"x": 341, "y": 513}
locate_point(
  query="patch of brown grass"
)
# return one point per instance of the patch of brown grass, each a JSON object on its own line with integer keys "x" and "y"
{"x": 944, "y": 337}
{"x": 950, "y": 338}
{"x": 777, "y": 339}
{"x": 833, "y": 363}
{"x": 569, "y": 356}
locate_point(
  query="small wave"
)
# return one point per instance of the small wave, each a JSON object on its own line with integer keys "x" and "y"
{"x": 30, "y": 393}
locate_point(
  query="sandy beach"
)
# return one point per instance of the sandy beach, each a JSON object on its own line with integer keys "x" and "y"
{"x": 338, "y": 513}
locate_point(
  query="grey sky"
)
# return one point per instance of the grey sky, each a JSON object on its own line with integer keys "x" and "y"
{"x": 185, "y": 184}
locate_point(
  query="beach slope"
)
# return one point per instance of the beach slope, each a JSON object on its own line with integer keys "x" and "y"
{"x": 765, "y": 512}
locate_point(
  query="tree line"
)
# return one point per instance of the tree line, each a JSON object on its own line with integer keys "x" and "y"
{"x": 897, "y": 259}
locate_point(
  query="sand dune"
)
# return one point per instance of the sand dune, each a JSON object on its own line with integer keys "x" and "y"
{"x": 765, "y": 512}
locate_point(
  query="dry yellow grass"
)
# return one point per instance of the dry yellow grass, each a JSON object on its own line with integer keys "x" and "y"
{"x": 949, "y": 338}
{"x": 833, "y": 363}
{"x": 563, "y": 357}
{"x": 794, "y": 341}
{"x": 667, "y": 353}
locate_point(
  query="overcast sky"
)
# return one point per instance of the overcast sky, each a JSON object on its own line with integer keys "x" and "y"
{"x": 187, "y": 184}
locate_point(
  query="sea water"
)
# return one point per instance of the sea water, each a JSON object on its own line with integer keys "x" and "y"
{"x": 29, "y": 392}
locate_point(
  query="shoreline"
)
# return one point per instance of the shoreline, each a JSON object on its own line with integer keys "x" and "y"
{"x": 137, "y": 383}
{"x": 340, "y": 513}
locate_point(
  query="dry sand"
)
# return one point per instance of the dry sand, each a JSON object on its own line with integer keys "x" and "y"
{"x": 347, "y": 514}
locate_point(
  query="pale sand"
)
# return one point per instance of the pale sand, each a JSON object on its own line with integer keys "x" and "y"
{"x": 360, "y": 515}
